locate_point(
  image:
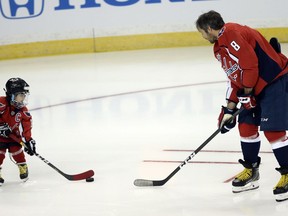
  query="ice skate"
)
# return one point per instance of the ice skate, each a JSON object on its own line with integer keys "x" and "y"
{"x": 23, "y": 170}
{"x": 281, "y": 189}
{"x": 248, "y": 178}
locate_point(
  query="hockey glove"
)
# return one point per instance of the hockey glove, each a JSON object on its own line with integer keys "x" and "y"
{"x": 5, "y": 130}
{"x": 30, "y": 147}
{"x": 224, "y": 116}
{"x": 248, "y": 101}
{"x": 275, "y": 44}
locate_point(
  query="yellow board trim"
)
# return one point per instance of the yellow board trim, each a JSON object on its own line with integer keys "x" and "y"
{"x": 118, "y": 43}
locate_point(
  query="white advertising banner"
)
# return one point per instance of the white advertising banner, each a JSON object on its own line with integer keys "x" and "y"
{"x": 24, "y": 21}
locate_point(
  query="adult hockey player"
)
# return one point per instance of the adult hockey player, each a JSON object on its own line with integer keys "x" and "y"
{"x": 16, "y": 119}
{"x": 258, "y": 80}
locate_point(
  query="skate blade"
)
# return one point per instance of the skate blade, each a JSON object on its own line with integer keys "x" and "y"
{"x": 24, "y": 180}
{"x": 281, "y": 197}
{"x": 250, "y": 186}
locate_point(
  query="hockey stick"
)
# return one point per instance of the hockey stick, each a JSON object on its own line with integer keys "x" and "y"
{"x": 81, "y": 176}
{"x": 146, "y": 183}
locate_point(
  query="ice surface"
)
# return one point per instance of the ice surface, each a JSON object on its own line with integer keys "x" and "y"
{"x": 116, "y": 113}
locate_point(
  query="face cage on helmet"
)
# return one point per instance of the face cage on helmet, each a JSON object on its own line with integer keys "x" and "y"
{"x": 22, "y": 104}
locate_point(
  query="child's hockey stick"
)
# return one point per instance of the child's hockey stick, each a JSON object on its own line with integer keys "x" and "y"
{"x": 81, "y": 176}
{"x": 145, "y": 183}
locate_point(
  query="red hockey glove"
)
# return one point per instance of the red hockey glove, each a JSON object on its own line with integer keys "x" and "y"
{"x": 224, "y": 116}
{"x": 248, "y": 101}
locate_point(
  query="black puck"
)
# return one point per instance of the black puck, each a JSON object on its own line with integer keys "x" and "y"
{"x": 90, "y": 179}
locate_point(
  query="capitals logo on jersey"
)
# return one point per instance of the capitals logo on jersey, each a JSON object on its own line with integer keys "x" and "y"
{"x": 229, "y": 66}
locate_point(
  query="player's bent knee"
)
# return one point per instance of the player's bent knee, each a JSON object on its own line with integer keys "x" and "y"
{"x": 273, "y": 136}
{"x": 248, "y": 131}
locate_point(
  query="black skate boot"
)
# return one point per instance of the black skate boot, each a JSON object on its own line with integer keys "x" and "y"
{"x": 23, "y": 170}
{"x": 1, "y": 179}
{"x": 248, "y": 178}
{"x": 281, "y": 189}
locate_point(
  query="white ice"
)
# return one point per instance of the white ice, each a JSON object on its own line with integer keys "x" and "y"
{"x": 112, "y": 112}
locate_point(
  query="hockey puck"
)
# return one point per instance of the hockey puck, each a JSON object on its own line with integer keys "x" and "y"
{"x": 89, "y": 179}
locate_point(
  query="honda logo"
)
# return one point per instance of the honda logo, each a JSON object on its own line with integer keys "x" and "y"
{"x": 21, "y": 9}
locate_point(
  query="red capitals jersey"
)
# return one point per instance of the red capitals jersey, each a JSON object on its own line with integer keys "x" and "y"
{"x": 20, "y": 121}
{"x": 247, "y": 59}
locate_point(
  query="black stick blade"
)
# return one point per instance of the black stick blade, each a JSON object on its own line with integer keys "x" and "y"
{"x": 148, "y": 183}
{"x": 143, "y": 183}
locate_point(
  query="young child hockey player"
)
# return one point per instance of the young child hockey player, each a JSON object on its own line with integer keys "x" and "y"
{"x": 258, "y": 80}
{"x": 16, "y": 119}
